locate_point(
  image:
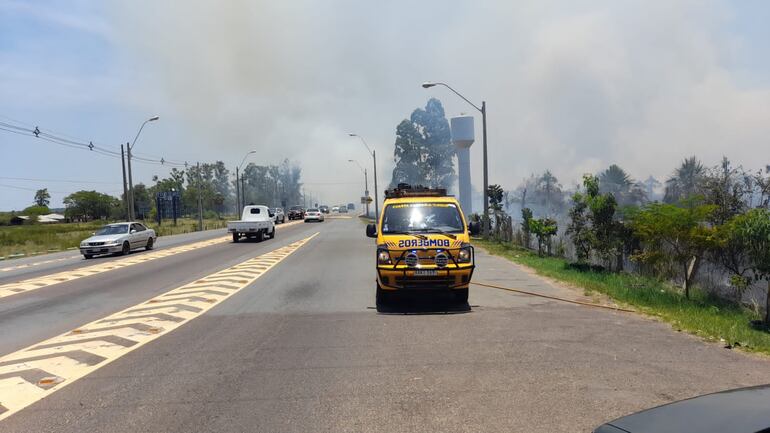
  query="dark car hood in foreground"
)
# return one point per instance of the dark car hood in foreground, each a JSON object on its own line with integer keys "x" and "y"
{"x": 744, "y": 410}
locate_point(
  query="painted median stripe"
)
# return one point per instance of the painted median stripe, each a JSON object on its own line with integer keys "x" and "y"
{"x": 31, "y": 374}
{"x": 61, "y": 277}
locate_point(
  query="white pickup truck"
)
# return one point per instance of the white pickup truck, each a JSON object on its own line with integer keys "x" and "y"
{"x": 256, "y": 223}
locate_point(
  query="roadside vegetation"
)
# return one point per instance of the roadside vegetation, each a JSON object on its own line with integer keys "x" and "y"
{"x": 34, "y": 239}
{"x": 688, "y": 255}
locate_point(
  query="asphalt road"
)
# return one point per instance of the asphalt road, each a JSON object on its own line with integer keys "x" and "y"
{"x": 301, "y": 348}
{"x": 28, "y": 267}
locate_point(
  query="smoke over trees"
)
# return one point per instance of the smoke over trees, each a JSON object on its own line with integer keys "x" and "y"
{"x": 423, "y": 151}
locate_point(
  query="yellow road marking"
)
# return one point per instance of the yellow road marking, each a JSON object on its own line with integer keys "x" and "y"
{"x": 36, "y": 372}
{"x": 65, "y": 276}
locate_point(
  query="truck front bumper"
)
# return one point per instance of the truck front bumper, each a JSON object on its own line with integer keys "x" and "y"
{"x": 408, "y": 278}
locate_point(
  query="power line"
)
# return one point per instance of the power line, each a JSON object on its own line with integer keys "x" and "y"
{"x": 76, "y": 143}
{"x": 59, "y": 180}
{"x": 55, "y": 192}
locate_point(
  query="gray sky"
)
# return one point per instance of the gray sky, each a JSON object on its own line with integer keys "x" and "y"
{"x": 570, "y": 86}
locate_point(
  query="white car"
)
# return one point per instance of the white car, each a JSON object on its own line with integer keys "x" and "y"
{"x": 314, "y": 215}
{"x": 335, "y": 208}
{"x": 278, "y": 216}
{"x": 118, "y": 238}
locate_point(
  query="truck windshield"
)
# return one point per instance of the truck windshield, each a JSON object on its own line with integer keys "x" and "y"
{"x": 112, "y": 230}
{"x": 422, "y": 217}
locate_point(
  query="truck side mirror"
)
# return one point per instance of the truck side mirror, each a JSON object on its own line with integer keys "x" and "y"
{"x": 371, "y": 230}
{"x": 473, "y": 228}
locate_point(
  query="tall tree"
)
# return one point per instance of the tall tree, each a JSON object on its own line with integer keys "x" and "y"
{"x": 142, "y": 200}
{"x": 614, "y": 180}
{"x": 42, "y": 197}
{"x": 548, "y": 193}
{"x": 85, "y": 205}
{"x": 685, "y": 182}
{"x": 724, "y": 187}
{"x": 423, "y": 150}
{"x": 753, "y": 229}
{"x": 676, "y": 234}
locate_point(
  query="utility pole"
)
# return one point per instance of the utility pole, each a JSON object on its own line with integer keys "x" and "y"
{"x": 486, "y": 171}
{"x": 200, "y": 200}
{"x": 125, "y": 188}
{"x": 130, "y": 180}
{"x": 237, "y": 194}
{"x": 366, "y": 192}
{"x": 130, "y": 187}
{"x": 376, "y": 204}
{"x": 243, "y": 193}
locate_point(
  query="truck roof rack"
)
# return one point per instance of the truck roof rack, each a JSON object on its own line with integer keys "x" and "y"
{"x": 406, "y": 190}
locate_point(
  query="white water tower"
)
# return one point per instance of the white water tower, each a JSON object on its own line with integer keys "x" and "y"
{"x": 463, "y": 137}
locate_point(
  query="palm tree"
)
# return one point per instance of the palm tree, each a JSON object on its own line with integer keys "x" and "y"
{"x": 685, "y": 182}
{"x": 614, "y": 180}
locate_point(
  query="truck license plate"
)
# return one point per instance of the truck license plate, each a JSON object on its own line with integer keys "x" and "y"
{"x": 425, "y": 273}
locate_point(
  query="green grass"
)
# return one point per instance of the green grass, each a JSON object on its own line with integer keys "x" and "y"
{"x": 33, "y": 239}
{"x": 710, "y": 318}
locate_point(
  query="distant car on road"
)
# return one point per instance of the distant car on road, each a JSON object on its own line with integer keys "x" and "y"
{"x": 314, "y": 215}
{"x": 296, "y": 213}
{"x": 335, "y": 208}
{"x": 351, "y": 206}
{"x": 323, "y": 208}
{"x": 343, "y": 209}
{"x": 743, "y": 410}
{"x": 255, "y": 223}
{"x": 118, "y": 238}
{"x": 278, "y": 216}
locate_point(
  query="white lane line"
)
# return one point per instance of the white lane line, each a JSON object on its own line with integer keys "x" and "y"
{"x": 33, "y": 373}
{"x": 28, "y": 285}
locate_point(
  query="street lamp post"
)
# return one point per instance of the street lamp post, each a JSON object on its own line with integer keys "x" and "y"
{"x": 239, "y": 186}
{"x": 483, "y": 110}
{"x": 131, "y": 211}
{"x": 374, "y": 159}
{"x": 366, "y": 185}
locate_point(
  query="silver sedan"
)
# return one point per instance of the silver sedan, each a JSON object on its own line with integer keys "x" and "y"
{"x": 118, "y": 238}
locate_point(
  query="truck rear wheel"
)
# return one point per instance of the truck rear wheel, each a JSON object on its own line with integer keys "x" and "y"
{"x": 236, "y": 237}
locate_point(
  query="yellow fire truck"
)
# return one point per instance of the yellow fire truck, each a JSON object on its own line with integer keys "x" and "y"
{"x": 423, "y": 243}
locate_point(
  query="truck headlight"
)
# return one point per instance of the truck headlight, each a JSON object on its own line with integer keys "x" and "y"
{"x": 383, "y": 257}
{"x": 464, "y": 255}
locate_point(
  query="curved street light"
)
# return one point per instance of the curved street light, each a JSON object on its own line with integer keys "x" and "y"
{"x": 483, "y": 110}
{"x": 239, "y": 186}
{"x": 374, "y": 159}
{"x": 131, "y": 215}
